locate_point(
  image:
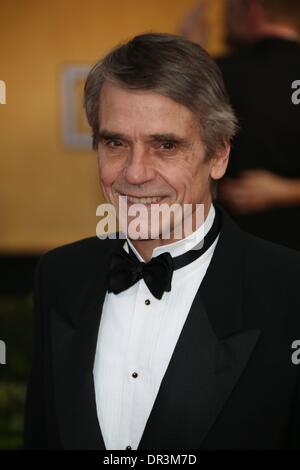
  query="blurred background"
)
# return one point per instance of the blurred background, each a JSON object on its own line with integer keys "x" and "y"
{"x": 48, "y": 176}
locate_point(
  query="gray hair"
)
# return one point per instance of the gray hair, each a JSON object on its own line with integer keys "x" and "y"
{"x": 174, "y": 67}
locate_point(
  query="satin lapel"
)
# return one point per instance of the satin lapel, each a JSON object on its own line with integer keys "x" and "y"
{"x": 210, "y": 355}
{"x": 74, "y": 334}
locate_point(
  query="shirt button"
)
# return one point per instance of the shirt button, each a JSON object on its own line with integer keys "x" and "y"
{"x": 128, "y": 448}
{"x": 147, "y": 302}
{"x": 134, "y": 375}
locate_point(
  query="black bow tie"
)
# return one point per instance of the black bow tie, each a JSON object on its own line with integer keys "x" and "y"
{"x": 126, "y": 269}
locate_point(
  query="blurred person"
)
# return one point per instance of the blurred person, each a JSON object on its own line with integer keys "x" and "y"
{"x": 195, "y": 26}
{"x": 155, "y": 343}
{"x": 262, "y": 187}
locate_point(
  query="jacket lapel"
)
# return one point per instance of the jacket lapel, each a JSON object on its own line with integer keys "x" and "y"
{"x": 210, "y": 355}
{"x": 74, "y": 333}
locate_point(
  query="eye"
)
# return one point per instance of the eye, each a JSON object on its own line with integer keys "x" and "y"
{"x": 168, "y": 145}
{"x": 113, "y": 143}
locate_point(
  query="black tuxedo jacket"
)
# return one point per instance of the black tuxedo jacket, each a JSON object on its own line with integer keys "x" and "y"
{"x": 230, "y": 384}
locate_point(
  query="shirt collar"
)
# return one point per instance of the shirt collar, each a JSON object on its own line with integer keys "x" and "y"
{"x": 181, "y": 246}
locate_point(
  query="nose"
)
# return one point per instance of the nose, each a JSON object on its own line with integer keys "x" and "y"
{"x": 139, "y": 167}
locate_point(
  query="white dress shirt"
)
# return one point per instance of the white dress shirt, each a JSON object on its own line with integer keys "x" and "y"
{"x": 136, "y": 341}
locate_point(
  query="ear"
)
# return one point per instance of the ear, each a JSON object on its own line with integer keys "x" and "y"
{"x": 220, "y": 162}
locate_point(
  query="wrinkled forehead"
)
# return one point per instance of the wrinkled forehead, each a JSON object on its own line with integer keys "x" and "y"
{"x": 145, "y": 112}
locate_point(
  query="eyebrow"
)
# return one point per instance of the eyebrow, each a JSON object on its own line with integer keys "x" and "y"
{"x": 106, "y": 135}
{"x": 168, "y": 137}
{"x": 164, "y": 137}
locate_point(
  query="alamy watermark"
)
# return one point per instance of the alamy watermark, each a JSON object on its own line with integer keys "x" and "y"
{"x": 2, "y": 353}
{"x": 150, "y": 221}
{"x": 2, "y": 343}
{"x": 296, "y": 354}
{"x": 2, "y": 92}
{"x": 296, "y": 93}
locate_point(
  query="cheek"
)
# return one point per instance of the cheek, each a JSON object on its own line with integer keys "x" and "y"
{"x": 193, "y": 180}
{"x": 108, "y": 171}
{"x": 181, "y": 175}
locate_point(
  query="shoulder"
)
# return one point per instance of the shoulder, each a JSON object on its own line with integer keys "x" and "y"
{"x": 271, "y": 288}
{"x": 234, "y": 60}
{"x": 263, "y": 260}
{"x": 270, "y": 254}
{"x": 272, "y": 269}
{"x": 85, "y": 254}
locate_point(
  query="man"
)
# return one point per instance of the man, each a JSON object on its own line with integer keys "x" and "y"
{"x": 262, "y": 190}
{"x": 154, "y": 343}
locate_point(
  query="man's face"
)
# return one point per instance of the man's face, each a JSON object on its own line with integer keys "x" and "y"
{"x": 150, "y": 147}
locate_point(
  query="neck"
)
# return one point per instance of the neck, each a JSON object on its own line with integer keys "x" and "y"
{"x": 146, "y": 247}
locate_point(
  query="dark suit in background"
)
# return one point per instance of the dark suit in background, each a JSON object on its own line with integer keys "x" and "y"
{"x": 230, "y": 384}
{"x": 259, "y": 80}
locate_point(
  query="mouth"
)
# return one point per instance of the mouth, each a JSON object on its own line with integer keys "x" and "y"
{"x": 143, "y": 199}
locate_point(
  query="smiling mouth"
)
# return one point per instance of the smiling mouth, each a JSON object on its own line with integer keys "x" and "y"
{"x": 144, "y": 199}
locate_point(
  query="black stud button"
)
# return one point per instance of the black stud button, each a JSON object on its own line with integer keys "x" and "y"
{"x": 147, "y": 302}
{"x": 135, "y": 375}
